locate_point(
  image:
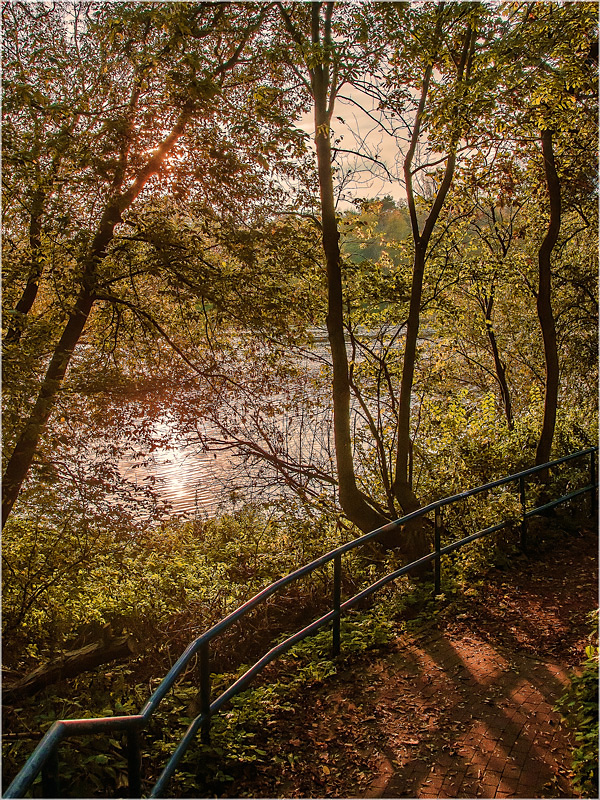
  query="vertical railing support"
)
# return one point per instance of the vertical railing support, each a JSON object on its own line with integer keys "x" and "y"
{"x": 205, "y": 690}
{"x": 523, "y": 513}
{"x": 134, "y": 762}
{"x": 337, "y": 599}
{"x": 50, "y": 784}
{"x": 593, "y": 491}
{"x": 437, "y": 532}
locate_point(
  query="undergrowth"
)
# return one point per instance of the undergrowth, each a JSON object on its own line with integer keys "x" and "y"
{"x": 579, "y": 708}
{"x": 170, "y": 586}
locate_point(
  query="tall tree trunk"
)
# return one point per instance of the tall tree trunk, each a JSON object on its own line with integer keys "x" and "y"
{"x": 544, "y": 302}
{"x": 352, "y": 500}
{"x": 27, "y": 299}
{"x": 22, "y": 456}
{"x": 24, "y": 452}
{"x": 402, "y": 485}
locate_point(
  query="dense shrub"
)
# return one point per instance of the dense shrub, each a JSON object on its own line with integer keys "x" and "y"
{"x": 579, "y": 707}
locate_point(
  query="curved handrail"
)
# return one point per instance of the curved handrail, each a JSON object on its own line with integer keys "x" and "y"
{"x": 63, "y": 729}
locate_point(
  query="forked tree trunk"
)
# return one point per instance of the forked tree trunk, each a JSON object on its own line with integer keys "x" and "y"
{"x": 411, "y": 540}
{"x": 402, "y": 487}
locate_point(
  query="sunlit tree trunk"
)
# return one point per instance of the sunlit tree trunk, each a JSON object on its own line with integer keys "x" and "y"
{"x": 403, "y": 489}
{"x": 22, "y": 456}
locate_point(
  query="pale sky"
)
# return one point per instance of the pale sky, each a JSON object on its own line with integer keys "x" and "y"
{"x": 361, "y": 133}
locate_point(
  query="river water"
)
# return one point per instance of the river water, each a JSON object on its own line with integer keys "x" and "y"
{"x": 181, "y": 473}
{"x": 192, "y": 480}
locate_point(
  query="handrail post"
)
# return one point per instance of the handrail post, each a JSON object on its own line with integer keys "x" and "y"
{"x": 205, "y": 689}
{"x": 593, "y": 491}
{"x": 523, "y": 512}
{"x": 134, "y": 762}
{"x": 337, "y": 599}
{"x": 437, "y": 532}
{"x": 50, "y": 783}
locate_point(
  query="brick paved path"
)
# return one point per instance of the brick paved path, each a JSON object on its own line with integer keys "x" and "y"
{"x": 484, "y": 720}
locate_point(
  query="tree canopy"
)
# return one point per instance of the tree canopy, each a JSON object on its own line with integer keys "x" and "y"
{"x": 161, "y": 193}
{"x": 347, "y": 250}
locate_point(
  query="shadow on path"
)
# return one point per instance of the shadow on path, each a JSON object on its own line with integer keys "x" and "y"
{"x": 490, "y": 681}
{"x": 490, "y": 730}
{"x": 463, "y": 709}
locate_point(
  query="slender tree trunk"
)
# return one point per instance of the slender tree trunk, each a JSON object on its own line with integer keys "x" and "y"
{"x": 352, "y": 500}
{"x": 501, "y": 377}
{"x": 38, "y": 204}
{"x": 402, "y": 485}
{"x": 544, "y": 304}
{"x": 498, "y": 363}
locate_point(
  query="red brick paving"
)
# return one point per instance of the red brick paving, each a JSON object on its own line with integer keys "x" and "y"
{"x": 494, "y": 719}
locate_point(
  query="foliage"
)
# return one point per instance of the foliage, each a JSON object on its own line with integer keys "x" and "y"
{"x": 187, "y": 267}
{"x": 163, "y": 260}
{"x": 164, "y": 586}
{"x": 579, "y": 707}
{"x": 158, "y": 584}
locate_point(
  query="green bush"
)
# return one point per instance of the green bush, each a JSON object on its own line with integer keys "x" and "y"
{"x": 579, "y": 707}
{"x": 162, "y": 585}
{"x": 168, "y": 583}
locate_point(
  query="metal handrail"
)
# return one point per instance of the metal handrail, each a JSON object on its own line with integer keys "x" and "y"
{"x": 44, "y": 758}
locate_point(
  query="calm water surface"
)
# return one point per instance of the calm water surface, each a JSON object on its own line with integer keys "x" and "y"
{"x": 181, "y": 474}
{"x": 190, "y": 479}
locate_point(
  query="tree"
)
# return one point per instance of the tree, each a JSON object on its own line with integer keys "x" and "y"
{"x": 326, "y": 73}
{"x": 137, "y": 45}
{"x": 560, "y": 67}
{"x": 463, "y": 65}
{"x": 451, "y": 35}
